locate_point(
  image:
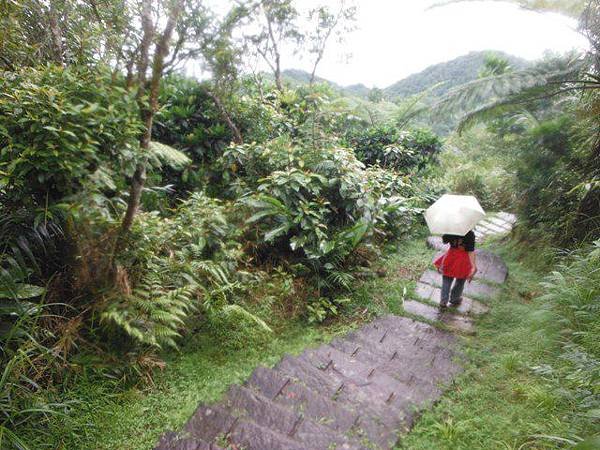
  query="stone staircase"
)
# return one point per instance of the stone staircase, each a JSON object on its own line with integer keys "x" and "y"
{"x": 361, "y": 391}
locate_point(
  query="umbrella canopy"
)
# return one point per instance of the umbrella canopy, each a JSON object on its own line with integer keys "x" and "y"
{"x": 454, "y": 214}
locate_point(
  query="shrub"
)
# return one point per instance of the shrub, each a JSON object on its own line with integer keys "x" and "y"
{"x": 478, "y": 163}
{"x": 323, "y": 200}
{"x": 389, "y": 147}
{"x": 319, "y": 208}
{"x": 179, "y": 265}
{"x": 551, "y": 165}
{"x": 59, "y": 127}
{"x": 191, "y": 121}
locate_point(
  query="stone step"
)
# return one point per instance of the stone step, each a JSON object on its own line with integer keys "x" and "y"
{"x": 247, "y": 404}
{"x": 491, "y": 268}
{"x": 379, "y": 390}
{"x": 413, "y": 348}
{"x": 309, "y": 376}
{"x": 172, "y": 441}
{"x": 215, "y": 423}
{"x": 507, "y": 226}
{"x": 508, "y": 217}
{"x": 420, "y": 377}
{"x": 209, "y": 423}
{"x": 495, "y": 229}
{"x": 430, "y": 294}
{"x": 408, "y": 360}
{"x": 475, "y": 288}
{"x": 452, "y": 321}
{"x": 424, "y": 333}
{"x": 335, "y": 388}
{"x": 338, "y": 416}
{"x": 285, "y": 391}
{"x": 388, "y": 389}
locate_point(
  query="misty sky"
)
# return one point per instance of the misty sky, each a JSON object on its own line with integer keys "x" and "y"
{"x": 398, "y": 37}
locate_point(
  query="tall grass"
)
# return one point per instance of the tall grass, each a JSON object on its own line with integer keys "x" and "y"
{"x": 572, "y": 292}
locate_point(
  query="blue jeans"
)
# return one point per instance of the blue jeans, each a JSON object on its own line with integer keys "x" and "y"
{"x": 453, "y": 294}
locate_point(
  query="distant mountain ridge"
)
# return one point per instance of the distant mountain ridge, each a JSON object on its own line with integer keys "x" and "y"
{"x": 450, "y": 74}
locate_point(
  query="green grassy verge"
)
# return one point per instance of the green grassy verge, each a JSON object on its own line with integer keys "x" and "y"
{"x": 135, "y": 419}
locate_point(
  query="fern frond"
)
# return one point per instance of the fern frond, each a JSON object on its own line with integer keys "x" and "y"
{"x": 164, "y": 154}
{"x": 150, "y": 315}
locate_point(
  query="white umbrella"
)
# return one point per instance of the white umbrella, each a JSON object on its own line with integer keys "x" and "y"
{"x": 454, "y": 214}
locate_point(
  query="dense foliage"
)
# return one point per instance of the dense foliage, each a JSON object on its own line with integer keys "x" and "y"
{"x": 386, "y": 146}
{"x": 290, "y": 216}
{"x": 140, "y": 213}
{"x": 61, "y": 130}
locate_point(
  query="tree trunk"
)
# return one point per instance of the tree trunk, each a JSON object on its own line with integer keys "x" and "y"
{"x": 56, "y": 35}
{"x": 237, "y": 135}
{"x": 314, "y": 71}
{"x": 277, "y": 68}
{"x": 135, "y": 196}
{"x": 148, "y": 111}
{"x": 278, "y": 80}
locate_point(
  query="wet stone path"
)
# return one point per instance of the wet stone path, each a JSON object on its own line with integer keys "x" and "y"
{"x": 361, "y": 391}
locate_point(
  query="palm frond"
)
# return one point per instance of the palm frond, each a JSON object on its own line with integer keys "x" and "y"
{"x": 571, "y": 8}
{"x": 485, "y": 97}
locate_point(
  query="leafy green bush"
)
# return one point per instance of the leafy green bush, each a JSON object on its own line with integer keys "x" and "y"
{"x": 478, "y": 163}
{"x": 319, "y": 208}
{"x": 389, "y": 147}
{"x": 181, "y": 264}
{"x": 191, "y": 121}
{"x": 59, "y": 127}
{"x": 550, "y": 168}
{"x": 235, "y": 328}
{"x": 323, "y": 199}
{"x": 573, "y": 290}
{"x": 322, "y": 308}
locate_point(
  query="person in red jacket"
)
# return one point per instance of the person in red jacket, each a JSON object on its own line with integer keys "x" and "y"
{"x": 457, "y": 266}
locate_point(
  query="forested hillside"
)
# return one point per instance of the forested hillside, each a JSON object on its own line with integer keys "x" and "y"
{"x": 440, "y": 77}
{"x": 447, "y": 75}
{"x": 162, "y": 236}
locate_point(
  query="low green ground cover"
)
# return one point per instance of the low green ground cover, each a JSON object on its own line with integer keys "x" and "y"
{"x": 202, "y": 372}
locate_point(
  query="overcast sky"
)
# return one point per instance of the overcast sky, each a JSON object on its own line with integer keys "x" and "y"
{"x": 398, "y": 37}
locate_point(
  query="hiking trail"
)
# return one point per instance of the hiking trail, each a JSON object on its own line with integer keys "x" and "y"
{"x": 361, "y": 391}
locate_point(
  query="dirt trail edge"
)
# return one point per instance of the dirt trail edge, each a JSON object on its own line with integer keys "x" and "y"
{"x": 362, "y": 391}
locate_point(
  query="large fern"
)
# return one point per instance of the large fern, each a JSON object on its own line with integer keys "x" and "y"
{"x": 151, "y": 315}
{"x": 162, "y": 154}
